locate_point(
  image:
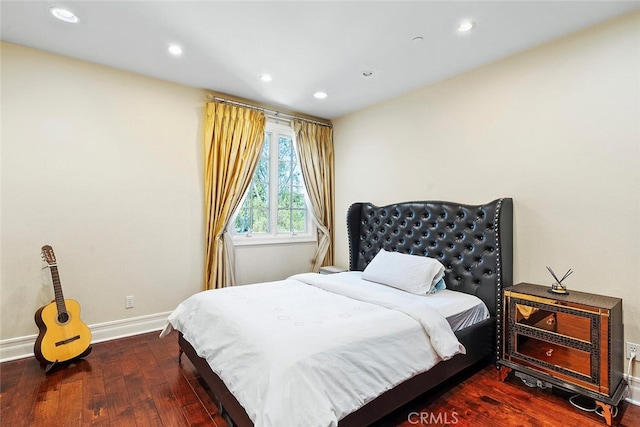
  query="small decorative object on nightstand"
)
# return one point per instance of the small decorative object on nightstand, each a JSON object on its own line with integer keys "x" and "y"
{"x": 573, "y": 341}
{"x": 330, "y": 269}
{"x": 557, "y": 287}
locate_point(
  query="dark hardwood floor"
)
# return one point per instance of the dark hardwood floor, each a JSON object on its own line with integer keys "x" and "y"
{"x": 137, "y": 381}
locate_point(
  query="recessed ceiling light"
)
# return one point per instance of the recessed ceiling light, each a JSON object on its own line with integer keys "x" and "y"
{"x": 417, "y": 40}
{"x": 175, "y": 50}
{"x": 266, "y": 78}
{"x": 64, "y": 14}
{"x": 466, "y": 26}
{"x": 367, "y": 73}
{"x": 320, "y": 95}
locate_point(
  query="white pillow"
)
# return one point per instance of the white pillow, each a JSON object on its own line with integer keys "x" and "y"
{"x": 411, "y": 273}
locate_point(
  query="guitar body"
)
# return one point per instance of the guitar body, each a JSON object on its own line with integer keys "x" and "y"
{"x": 61, "y": 338}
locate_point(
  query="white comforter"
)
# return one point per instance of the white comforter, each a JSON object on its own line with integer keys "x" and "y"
{"x": 309, "y": 350}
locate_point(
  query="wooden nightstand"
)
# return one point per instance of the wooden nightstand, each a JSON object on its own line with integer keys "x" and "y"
{"x": 331, "y": 269}
{"x": 572, "y": 341}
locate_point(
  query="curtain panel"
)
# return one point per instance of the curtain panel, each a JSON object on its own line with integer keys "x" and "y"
{"x": 314, "y": 145}
{"x": 233, "y": 139}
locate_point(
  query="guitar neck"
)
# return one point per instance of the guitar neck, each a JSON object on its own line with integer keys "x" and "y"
{"x": 57, "y": 289}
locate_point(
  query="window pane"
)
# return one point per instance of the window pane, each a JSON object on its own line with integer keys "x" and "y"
{"x": 285, "y": 148}
{"x": 284, "y": 217}
{"x": 288, "y": 184}
{"x": 243, "y": 221}
{"x": 284, "y": 197}
{"x": 262, "y": 170}
{"x": 260, "y": 197}
{"x": 297, "y": 198}
{"x": 299, "y": 221}
{"x": 292, "y": 220}
{"x": 260, "y": 220}
{"x": 296, "y": 177}
{"x": 284, "y": 173}
{"x": 267, "y": 145}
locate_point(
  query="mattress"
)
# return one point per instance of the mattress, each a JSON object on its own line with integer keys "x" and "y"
{"x": 461, "y": 310}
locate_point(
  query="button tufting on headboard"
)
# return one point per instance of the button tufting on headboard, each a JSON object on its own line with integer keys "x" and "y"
{"x": 472, "y": 242}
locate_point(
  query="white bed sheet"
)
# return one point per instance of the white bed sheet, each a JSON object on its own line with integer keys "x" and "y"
{"x": 309, "y": 350}
{"x": 461, "y": 310}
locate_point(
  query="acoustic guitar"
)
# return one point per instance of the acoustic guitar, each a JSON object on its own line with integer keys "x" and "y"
{"x": 63, "y": 336}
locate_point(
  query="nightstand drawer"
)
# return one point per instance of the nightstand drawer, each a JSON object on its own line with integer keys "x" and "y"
{"x": 555, "y": 355}
{"x": 569, "y": 324}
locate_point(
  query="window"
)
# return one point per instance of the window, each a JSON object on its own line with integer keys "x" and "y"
{"x": 274, "y": 208}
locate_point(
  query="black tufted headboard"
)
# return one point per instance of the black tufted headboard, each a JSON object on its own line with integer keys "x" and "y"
{"x": 474, "y": 243}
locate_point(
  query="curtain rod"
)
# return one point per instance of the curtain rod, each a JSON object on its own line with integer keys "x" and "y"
{"x": 271, "y": 113}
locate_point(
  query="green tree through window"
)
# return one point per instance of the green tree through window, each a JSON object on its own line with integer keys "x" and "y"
{"x": 253, "y": 215}
{"x": 275, "y": 203}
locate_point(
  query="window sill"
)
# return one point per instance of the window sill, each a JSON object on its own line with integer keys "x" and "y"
{"x": 272, "y": 240}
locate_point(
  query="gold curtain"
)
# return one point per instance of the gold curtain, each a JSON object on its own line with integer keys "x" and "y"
{"x": 233, "y": 138}
{"x": 314, "y": 144}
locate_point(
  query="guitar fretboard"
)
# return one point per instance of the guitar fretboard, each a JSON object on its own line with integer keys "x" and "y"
{"x": 57, "y": 290}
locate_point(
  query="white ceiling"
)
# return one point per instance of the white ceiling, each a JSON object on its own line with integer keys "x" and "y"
{"x": 306, "y": 46}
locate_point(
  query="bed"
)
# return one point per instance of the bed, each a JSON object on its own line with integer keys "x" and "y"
{"x": 473, "y": 243}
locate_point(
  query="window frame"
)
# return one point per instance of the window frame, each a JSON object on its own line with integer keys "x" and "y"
{"x": 276, "y": 128}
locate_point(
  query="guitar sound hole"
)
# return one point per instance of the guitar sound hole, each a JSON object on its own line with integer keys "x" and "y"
{"x": 63, "y": 317}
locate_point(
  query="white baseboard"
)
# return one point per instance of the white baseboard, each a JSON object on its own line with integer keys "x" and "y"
{"x": 21, "y": 347}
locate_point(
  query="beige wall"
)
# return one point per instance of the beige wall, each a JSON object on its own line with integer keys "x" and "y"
{"x": 557, "y": 128}
{"x": 105, "y": 166}
{"x": 256, "y": 264}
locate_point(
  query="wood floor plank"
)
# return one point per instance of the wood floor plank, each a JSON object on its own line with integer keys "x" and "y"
{"x": 196, "y": 415}
{"x": 46, "y": 405}
{"x": 73, "y": 371}
{"x": 146, "y": 413}
{"x": 169, "y": 409}
{"x": 183, "y": 391}
{"x": 152, "y": 372}
{"x": 137, "y": 388}
{"x": 70, "y": 407}
{"x": 21, "y": 405}
{"x": 118, "y": 403}
{"x": 131, "y": 367}
{"x": 94, "y": 410}
{"x": 94, "y": 399}
{"x": 137, "y": 381}
{"x": 10, "y": 374}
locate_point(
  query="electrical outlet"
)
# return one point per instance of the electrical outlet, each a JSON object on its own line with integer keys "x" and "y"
{"x": 128, "y": 301}
{"x": 632, "y": 348}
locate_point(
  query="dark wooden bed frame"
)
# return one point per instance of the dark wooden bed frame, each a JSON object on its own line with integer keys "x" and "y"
{"x": 475, "y": 244}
